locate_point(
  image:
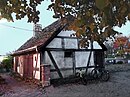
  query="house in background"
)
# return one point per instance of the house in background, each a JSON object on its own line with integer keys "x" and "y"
{"x": 52, "y": 53}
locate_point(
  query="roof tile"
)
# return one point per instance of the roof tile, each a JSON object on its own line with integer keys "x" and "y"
{"x": 41, "y": 37}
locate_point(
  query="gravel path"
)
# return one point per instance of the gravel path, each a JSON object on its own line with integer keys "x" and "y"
{"x": 117, "y": 86}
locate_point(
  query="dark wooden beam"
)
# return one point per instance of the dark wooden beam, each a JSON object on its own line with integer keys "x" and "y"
{"x": 63, "y": 43}
{"x": 76, "y": 68}
{"x": 69, "y": 37}
{"x": 61, "y": 69}
{"x": 63, "y": 49}
{"x": 55, "y": 65}
{"x": 74, "y": 63}
{"x": 41, "y": 47}
{"x": 89, "y": 58}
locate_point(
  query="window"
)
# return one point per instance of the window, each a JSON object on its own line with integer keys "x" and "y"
{"x": 68, "y": 54}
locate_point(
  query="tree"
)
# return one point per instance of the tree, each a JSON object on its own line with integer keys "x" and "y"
{"x": 120, "y": 44}
{"x": 93, "y": 20}
{"x": 20, "y": 8}
{"x": 7, "y": 62}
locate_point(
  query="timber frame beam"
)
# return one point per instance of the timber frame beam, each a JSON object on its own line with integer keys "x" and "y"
{"x": 55, "y": 65}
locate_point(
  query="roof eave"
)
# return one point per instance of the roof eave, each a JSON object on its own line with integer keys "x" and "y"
{"x": 32, "y": 49}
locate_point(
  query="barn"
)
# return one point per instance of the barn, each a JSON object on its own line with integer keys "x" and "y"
{"x": 52, "y": 53}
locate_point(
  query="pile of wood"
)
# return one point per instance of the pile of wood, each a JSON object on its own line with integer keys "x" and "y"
{"x": 16, "y": 75}
{"x": 32, "y": 81}
{"x": 28, "y": 80}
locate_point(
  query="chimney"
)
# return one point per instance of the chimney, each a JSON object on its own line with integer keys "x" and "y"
{"x": 37, "y": 28}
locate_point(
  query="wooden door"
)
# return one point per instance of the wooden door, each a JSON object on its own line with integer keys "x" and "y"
{"x": 99, "y": 58}
{"x": 28, "y": 66}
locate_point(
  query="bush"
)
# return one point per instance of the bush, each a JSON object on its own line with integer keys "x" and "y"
{"x": 7, "y": 62}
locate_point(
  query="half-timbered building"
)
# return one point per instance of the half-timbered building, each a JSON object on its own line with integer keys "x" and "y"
{"x": 52, "y": 53}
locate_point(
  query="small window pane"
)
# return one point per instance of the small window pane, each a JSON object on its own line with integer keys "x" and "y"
{"x": 68, "y": 54}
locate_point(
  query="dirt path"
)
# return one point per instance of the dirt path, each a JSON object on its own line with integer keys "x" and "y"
{"x": 117, "y": 86}
{"x": 15, "y": 88}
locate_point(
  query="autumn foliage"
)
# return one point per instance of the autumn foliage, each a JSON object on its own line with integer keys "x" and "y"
{"x": 93, "y": 20}
{"x": 121, "y": 45}
{"x": 122, "y": 41}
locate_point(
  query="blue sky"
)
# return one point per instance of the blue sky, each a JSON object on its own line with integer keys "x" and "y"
{"x": 125, "y": 29}
{"x": 12, "y": 38}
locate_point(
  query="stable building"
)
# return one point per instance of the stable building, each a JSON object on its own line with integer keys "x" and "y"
{"x": 53, "y": 53}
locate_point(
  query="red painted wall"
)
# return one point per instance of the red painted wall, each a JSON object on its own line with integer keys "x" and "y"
{"x": 28, "y": 66}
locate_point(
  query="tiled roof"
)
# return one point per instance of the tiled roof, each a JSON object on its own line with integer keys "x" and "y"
{"x": 41, "y": 37}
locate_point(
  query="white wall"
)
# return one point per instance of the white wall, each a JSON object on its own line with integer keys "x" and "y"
{"x": 80, "y": 57}
{"x": 56, "y": 43}
{"x": 68, "y": 43}
{"x": 71, "y": 43}
{"x": 60, "y": 61}
{"x": 36, "y": 64}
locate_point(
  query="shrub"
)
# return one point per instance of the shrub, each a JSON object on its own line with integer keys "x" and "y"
{"x": 7, "y": 62}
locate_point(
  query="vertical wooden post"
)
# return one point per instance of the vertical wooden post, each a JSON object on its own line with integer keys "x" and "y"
{"x": 74, "y": 64}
